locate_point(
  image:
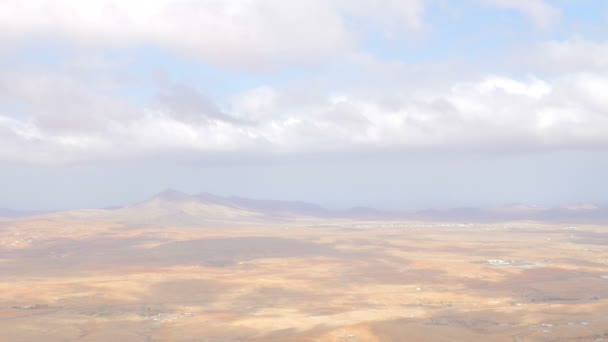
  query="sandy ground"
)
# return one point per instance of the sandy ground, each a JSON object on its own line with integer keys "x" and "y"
{"x": 80, "y": 280}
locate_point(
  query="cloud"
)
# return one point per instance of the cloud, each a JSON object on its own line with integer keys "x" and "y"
{"x": 246, "y": 34}
{"x": 190, "y": 105}
{"x": 491, "y": 113}
{"x": 542, "y": 14}
{"x": 572, "y": 54}
{"x": 238, "y": 33}
{"x": 391, "y": 16}
{"x": 62, "y": 102}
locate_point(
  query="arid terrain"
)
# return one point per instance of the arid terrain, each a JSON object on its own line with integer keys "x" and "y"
{"x": 303, "y": 171}
{"x": 86, "y": 276}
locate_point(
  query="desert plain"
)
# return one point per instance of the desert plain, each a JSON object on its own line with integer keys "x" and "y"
{"x": 88, "y": 277}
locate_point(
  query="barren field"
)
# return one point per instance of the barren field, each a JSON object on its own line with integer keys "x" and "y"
{"x": 83, "y": 280}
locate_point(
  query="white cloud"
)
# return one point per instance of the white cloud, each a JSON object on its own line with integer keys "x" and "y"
{"x": 542, "y": 14}
{"x": 534, "y": 88}
{"x": 240, "y": 33}
{"x": 246, "y": 34}
{"x": 391, "y": 16}
{"x": 493, "y": 113}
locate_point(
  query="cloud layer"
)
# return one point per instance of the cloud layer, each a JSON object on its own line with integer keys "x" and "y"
{"x": 55, "y": 115}
{"x": 74, "y": 123}
{"x": 244, "y": 34}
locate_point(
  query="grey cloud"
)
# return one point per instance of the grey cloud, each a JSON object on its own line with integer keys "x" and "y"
{"x": 61, "y": 103}
{"x": 347, "y": 116}
{"x": 571, "y": 55}
{"x": 190, "y": 105}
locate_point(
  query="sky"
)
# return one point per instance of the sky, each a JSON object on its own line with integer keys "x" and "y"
{"x": 386, "y": 103}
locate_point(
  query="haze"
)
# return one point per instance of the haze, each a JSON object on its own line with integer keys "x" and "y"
{"x": 393, "y": 104}
{"x": 303, "y": 171}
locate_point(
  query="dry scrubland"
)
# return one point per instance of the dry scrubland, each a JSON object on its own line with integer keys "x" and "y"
{"x": 86, "y": 280}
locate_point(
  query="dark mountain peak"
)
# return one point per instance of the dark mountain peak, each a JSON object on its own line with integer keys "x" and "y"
{"x": 172, "y": 195}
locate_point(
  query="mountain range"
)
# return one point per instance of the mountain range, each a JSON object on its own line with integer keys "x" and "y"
{"x": 175, "y": 207}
